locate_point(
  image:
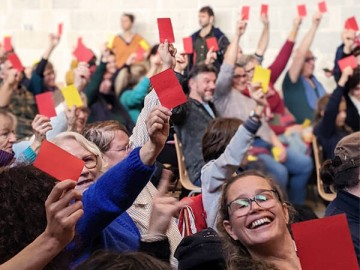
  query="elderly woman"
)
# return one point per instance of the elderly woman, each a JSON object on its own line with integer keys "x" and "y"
{"x": 112, "y": 139}
{"x": 105, "y": 224}
{"x": 40, "y": 125}
{"x": 254, "y": 219}
{"x": 343, "y": 173}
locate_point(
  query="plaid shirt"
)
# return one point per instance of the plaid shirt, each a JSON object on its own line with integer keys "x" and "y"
{"x": 23, "y": 106}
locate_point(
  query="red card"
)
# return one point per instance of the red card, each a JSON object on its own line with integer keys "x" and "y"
{"x": 7, "y": 44}
{"x": 168, "y": 89}
{"x": 346, "y": 62}
{"x": 140, "y": 54}
{"x": 58, "y": 163}
{"x": 188, "y": 45}
{"x": 82, "y": 53}
{"x": 351, "y": 23}
{"x": 60, "y": 28}
{"x": 212, "y": 43}
{"x": 264, "y": 9}
{"x": 301, "y": 10}
{"x": 165, "y": 30}
{"x": 245, "y": 10}
{"x": 45, "y": 104}
{"x": 15, "y": 62}
{"x": 325, "y": 243}
{"x": 322, "y": 7}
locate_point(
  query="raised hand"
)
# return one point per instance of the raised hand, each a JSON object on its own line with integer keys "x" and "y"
{"x": 53, "y": 40}
{"x": 63, "y": 210}
{"x": 182, "y": 60}
{"x": 82, "y": 76}
{"x": 317, "y": 18}
{"x": 163, "y": 209}
{"x": 157, "y": 125}
{"x": 167, "y": 54}
{"x": 210, "y": 56}
{"x": 40, "y": 125}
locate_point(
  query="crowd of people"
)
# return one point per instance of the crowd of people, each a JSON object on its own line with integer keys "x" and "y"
{"x": 248, "y": 148}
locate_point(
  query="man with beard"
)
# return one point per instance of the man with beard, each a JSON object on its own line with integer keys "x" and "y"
{"x": 192, "y": 118}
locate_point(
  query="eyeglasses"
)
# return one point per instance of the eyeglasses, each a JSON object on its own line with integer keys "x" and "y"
{"x": 238, "y": 76}
{"x": 126, "y": 149}
{"x": 241, "y": 207}
{"x": 308, "y": 59}
{"x": 90, "y": 161}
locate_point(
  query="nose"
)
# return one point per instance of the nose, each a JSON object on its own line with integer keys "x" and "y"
{"x": 85, "y": 172}
{"x": 12, "y": 137}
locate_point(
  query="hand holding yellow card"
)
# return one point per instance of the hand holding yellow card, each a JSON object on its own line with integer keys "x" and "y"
{"x": 262, "y": 75}
{"x": 72, "y": 96}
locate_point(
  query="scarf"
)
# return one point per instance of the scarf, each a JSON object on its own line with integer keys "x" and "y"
{"x": 6, "y": 158}
{"x": 312, "y": 95}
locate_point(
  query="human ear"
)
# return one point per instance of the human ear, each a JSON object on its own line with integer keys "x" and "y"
{"x": 228, "y": 227}
{"x": 286, "y": 213}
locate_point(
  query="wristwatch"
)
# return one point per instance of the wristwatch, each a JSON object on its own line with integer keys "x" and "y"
{"x": 255, "y": 116}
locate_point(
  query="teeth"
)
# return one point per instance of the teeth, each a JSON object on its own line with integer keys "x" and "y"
{"x": 259, "y": 222}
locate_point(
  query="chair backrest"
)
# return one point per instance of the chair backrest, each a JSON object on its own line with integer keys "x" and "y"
{"x": 183, "y": 175}
{"x": 318, "y": 161}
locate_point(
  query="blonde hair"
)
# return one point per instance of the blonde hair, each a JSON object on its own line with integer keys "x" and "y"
{"x": 89, "y": 146}
{"x": 129, "y": 77}
{"x": 10, "y": 116}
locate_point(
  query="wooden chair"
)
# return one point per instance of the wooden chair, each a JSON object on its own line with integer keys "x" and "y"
{"x": 318, "y": 161}
{"x": 183, "y": 175}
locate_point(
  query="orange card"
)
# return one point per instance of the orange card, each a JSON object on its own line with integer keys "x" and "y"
{"x": 58, "y": 163}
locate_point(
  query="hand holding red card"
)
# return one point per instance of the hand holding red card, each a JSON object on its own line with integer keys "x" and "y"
{"x": 15, "y": 62}
{"x": 188, "y": 45}
{"x": 60, "y": 29}
{"x": 264, "y": 9}
{"x": 168, "y": 89}
{"x": 325, "y": 243}
{"x": 82, "y": 53}
{"x": 7, "y": 44}
{"x": 165, "y": 30}
{"x": 351, "y": 23}
{"x": 58, "y": 163}
{"x": 301, "y": 10}
{"x": 349, "y": 61}
{"x": 245, "y": 10}
{"x": 322, "y": 7}
{"x": 46, "y": 105}
{"x": 212, "y": 43}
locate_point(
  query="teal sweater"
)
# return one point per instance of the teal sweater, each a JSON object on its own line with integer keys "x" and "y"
{"x": 133, "y": 99}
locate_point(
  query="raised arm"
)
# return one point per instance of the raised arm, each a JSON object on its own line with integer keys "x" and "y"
{"x": 299, "y": 59}
{"x": 6, "y": 89}
{"x": 60, "y": 230}
{"x": 224, "y": 80}
{"x": 264, "y": 38}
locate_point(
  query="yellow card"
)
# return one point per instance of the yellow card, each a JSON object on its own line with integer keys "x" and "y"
{"x": 109, "y": 40}
{"x": 252, "y": 158}
{"x": 144, "y": 45}
{"x": 72, "y": 96}
{"x": 306, "y": 123}
{"x": 276, "y": 151}
{"x": 262, "y": 75}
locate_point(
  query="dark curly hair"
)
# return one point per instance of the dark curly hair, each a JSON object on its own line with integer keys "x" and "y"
{"x": 236, "y": 253}
{"x": 23, "y": 192}
{"x": 110, "y": 260}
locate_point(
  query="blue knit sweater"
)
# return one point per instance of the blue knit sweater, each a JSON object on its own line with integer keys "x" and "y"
{"x": 105, "y": 224}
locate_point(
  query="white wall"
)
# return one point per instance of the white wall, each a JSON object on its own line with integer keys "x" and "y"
{"x": 30, "y": 21}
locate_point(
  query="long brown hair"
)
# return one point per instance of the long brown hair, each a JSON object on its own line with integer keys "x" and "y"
{"x": 237, "y": 254}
